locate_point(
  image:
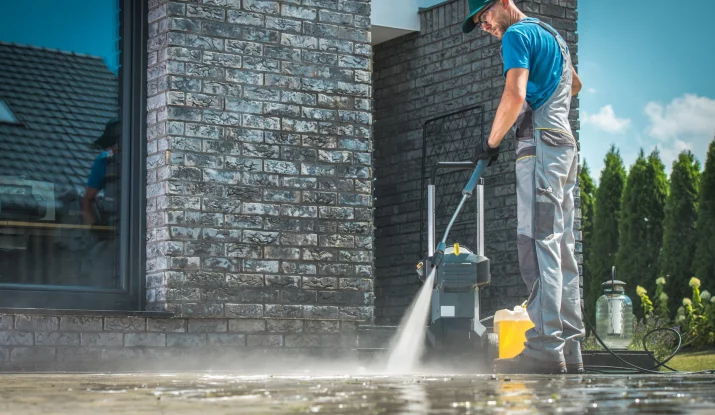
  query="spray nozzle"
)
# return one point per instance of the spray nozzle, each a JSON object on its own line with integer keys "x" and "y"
{"x": 439, "y": 254}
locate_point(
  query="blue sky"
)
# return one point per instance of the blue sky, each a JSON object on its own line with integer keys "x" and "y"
{"x": 649, "y": 78}
{"x": 82, "y": 26}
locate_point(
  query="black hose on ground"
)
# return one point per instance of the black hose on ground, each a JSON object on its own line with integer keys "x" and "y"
{"x": 637, "y": 369}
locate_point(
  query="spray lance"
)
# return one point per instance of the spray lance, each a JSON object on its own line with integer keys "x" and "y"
{"x": 437, "y": 256}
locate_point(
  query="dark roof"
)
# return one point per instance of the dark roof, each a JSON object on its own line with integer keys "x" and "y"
{"x": 63, "y": 101}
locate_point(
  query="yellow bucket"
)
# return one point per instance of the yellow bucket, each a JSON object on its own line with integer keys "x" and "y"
{"x": 511, "y": 327}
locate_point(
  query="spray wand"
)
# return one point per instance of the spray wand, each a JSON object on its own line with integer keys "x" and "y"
{"x": 438, "y": 255}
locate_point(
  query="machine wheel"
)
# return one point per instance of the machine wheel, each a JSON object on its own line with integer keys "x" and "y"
{"x": 492, "y": 347}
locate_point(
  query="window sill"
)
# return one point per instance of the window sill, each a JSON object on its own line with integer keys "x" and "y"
{"x": 70, "y": 312}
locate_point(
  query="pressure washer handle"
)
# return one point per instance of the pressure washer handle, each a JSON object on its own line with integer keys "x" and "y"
{"x": 472, "y": 183}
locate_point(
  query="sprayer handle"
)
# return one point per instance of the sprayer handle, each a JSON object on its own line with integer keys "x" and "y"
{"x": 472, "y": 183}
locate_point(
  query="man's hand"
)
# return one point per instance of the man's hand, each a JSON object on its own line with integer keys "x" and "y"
{"x": 576, "y": 83}
{"x": 88, "y": 218}
{"x": 512, "y": 101}
{"x": 486, "y": 152}
{"x": 87, "y": 215}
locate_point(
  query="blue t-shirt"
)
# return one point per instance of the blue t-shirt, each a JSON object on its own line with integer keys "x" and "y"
{"x": 98, "y": 172}
{"x": 530, "y": 46}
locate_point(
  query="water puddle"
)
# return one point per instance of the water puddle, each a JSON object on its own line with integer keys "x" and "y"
{"x": 225, "y": 393}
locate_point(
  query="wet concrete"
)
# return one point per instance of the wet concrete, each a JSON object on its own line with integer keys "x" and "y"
{"x": 305, "y": 392}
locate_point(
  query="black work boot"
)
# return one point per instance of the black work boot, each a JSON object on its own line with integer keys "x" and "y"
{"x": 526, "y": 365}
{"x": 574, "y": 360}
{"x": 575, "y": 368}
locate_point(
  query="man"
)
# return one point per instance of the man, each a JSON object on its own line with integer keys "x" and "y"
{"x": 104, "y": 175}
{"x": 96, "y": 268}
{"x": 540, "y": 81}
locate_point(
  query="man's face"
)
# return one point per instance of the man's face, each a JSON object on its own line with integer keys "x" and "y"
{"x": 493, "y": 19}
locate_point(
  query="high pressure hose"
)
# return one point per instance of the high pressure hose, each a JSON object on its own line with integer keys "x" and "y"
{"x": 638, "y": 369}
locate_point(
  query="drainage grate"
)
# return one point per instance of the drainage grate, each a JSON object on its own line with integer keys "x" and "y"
{"x": 451, "y": 137}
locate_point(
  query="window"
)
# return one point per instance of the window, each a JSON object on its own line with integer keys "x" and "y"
{"x": 70, "y": 130}
{"x": 6, "y": 114}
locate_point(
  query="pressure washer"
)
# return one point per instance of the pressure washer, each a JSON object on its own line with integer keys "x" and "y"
{"x": 454, "y": 325}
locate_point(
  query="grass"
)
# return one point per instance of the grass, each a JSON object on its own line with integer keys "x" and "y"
{"x": 694, "y": 361}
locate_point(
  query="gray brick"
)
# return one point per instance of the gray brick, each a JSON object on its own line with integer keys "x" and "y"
{"x": 299, "y": 41}
{"x": 145, "y": 339}
{"x": 298, "y": 98}
{"x": 208, "y": 325}
{"x": 297, "y": 268}
{"x": 186, "y": 340}
{"x": 302, "y": 340}
{"x": 124, "y": 354}
{"x": 303, "y": 13}
{"x": 281, "y": 167}
{"x": 242, "y": 311}
{"x": 166, "y": 325}
{"x": 102, "y": 339}
{"x": 260, "y": 266}
{"x": 56, "y": 338}
{"x": 227, "y": 339}
{"x": 6, "y": 322}
{"x": 204, "y": 42}
{"x": 259, "y": 35}
{"x": 255, "y": 63}
{"x": 323, "y": 326}
{"x": 245, "y": 18}
{"x": 16, "y": 338}
{"x": 284, "y": 25}
{"x": 247, "y": 325}
{"x": 213, "y": 13}
{"x": 278, "y": 310}
{"x": 264, "y": 340}
{"x": 355, "y": 7}
{"x": 282, "y": 326}
{"x": 326, "y": 4}
{"x": 185, "y": 25}
{"x": 225, "y": 30}
{"x": 243, "y": 47}
{"x": 336, "y": 18}
{"x": 78, "y": 354}
{"x": 36, "y": 323}
{"x": 124, "y": 324}
{"x": 262, "y": 6}
{"x": 332, "y": 45}
{"x": 32, "y": 354}
{"x": 244, "y": 77}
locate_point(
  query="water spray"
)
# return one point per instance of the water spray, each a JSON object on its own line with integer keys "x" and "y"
{"x": 451, "y": 279}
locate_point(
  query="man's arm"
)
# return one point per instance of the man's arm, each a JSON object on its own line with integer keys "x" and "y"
{"x": 510, "y": 106}
{"x": 89, "y": 195}
{"x": 576, "y": 84}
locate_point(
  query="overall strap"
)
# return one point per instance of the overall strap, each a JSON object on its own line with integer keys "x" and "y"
{"x": 562, "y": 43}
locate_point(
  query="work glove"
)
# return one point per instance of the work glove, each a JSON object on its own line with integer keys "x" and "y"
{"x": 485, "y": 152}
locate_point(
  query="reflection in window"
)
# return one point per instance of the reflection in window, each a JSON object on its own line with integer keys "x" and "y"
{"x": 59, "y": 167}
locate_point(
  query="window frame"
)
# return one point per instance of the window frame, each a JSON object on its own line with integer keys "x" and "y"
{"x": 132, "y": 242}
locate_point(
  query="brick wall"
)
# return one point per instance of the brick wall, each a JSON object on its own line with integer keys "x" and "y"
{"x": 420, "y": 76}
{"x": 260, "y": 164}
{"x": 136, "y": 342}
